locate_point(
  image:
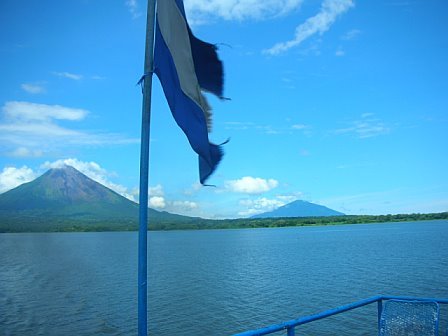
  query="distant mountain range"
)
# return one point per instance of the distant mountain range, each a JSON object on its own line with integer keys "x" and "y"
{"x": 64, "y": 199}
{"x": 300, "y": 209}
{"x": 65, "y": 195}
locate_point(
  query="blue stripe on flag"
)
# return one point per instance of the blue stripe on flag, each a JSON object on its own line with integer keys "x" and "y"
{"x": 185, "y": 100}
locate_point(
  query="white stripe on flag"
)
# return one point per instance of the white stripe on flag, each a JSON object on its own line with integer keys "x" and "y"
{"x": 175, "y": 34}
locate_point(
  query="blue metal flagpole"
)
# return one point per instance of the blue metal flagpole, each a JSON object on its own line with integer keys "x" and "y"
{"x": 144, "y": 174}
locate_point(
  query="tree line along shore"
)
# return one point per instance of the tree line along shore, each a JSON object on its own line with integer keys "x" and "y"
{"x": 13, "y": 223}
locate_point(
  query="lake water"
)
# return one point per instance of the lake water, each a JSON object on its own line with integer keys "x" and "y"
{"x": 216, "y": 282}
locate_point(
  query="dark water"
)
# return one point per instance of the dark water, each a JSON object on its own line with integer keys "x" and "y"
{"x": 216, "y": 282}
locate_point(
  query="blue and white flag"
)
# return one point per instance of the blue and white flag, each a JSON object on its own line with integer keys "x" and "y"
{"x": 186, "y": 66}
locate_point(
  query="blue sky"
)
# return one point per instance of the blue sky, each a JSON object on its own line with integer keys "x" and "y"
{"x": 338, "y": 102}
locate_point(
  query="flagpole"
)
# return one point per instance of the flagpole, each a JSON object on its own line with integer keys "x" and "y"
{"x": 144, "y": 173}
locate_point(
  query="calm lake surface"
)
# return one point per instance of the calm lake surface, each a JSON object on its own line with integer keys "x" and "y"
{"x": 216, "y": 282}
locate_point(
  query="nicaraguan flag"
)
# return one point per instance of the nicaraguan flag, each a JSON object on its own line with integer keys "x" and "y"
{"x": 185, "y": 66}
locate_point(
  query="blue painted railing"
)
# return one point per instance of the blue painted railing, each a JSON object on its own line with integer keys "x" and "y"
{"x": 290, "y": 326}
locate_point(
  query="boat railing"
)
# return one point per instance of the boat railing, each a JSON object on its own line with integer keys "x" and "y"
{"x": 290, "y": 326}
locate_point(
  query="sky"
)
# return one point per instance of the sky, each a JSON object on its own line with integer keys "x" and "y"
{"x": 342, "y": 103}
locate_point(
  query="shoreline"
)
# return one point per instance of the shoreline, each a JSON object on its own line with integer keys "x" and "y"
{"x": 30, "y": 225}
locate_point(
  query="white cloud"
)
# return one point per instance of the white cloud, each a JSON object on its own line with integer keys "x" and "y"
{"x": 251, "y": 185}
{"x": 195, "y": 187}
{"x": 177, "y": 207}
{"x": 340, "y": 53}
{"x": 156, "y": 190}
{"x": 299, "y": 127}
{"x": 94, "y": 171}
{"x": 26, "y": 152}
{"x": 263, "y": 204}
{"x": 368, "y": 126}
{"x": 304, "y": 129}
{"x": 367, "y": 115}
{"x": 350, "y": 35}
{"x": 265, "y": 129}
{"x": 290, "y": 198}
{"x": 330, "y": 10}
{"x": 12, "y": 177}
{"x": 244, "y": 126}
{"x": 157, "y": 202}
{"x": 68, "y": 75}
{"x": 133, "y": 8}
{"x": 288, "y": 82}
{"x": 48, "y": 137}
{"x": 184, "y": 206}
{"x": 34, "y": 126}
{"x": 201, "y": 11}
{"x": 238, "y": 126}
{"x": 250, "y": 212}
{"x": 25, "y": 111}
{"x": 38, "y": 129}
{"x": 33, "y": 88}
